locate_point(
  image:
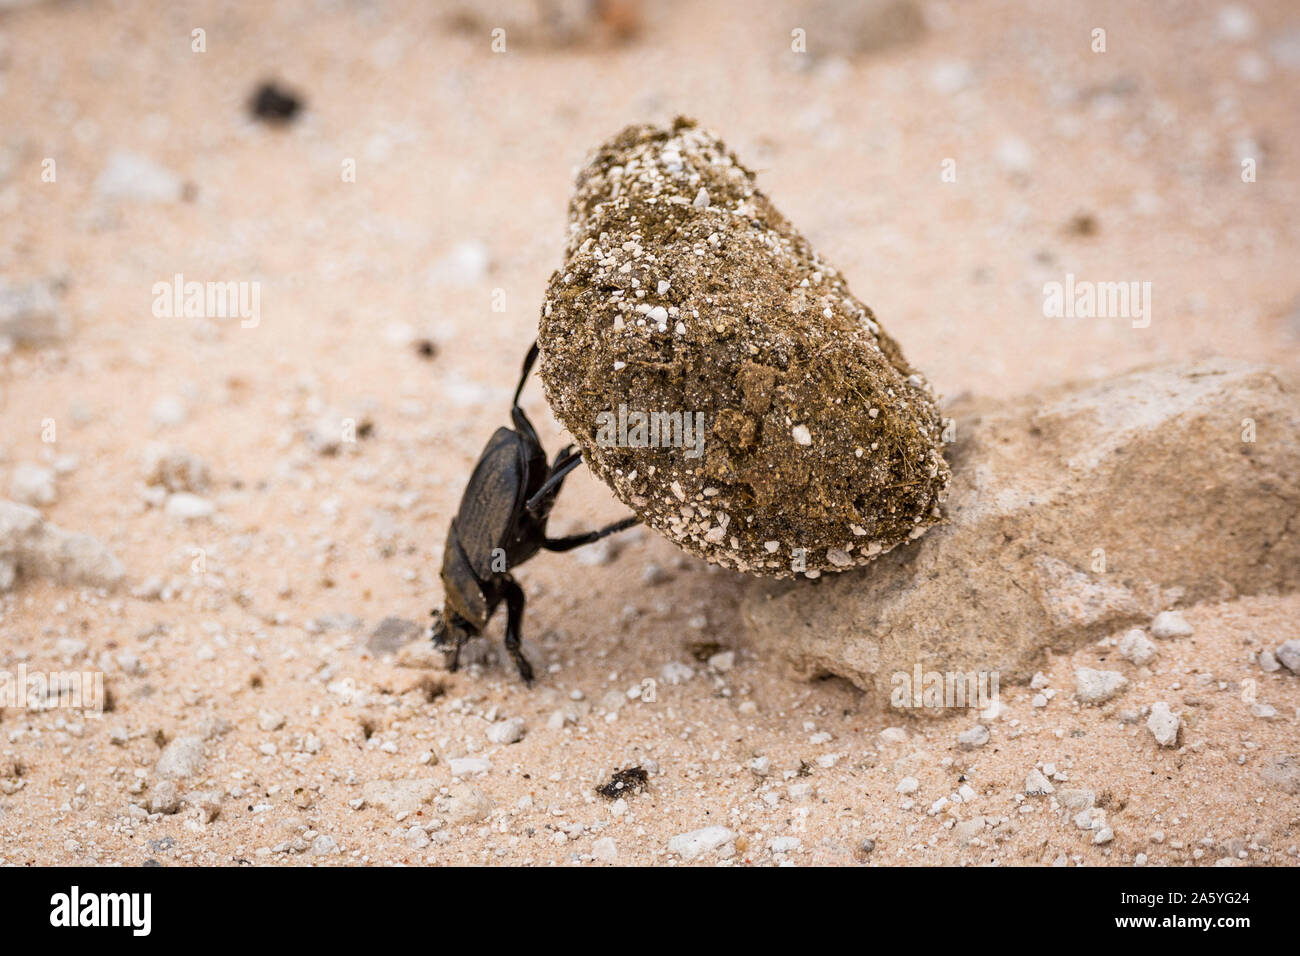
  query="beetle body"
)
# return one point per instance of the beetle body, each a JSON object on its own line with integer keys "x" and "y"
{"x": 501, "y": 522}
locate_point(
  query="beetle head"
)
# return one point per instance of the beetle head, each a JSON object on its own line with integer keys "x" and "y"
{"x": 448, "y": 629}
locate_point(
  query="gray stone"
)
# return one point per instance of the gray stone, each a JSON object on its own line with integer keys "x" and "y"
{"x": 507, "y": 731}
{"x": 128, "y": 175}
{"x": 859, "y": 29}
{"x": 466, "y": 804}
{"x": 399, "y": 796}
{"x": 977, "y": 736}
{"x": 1076, "y": 799}
{"x": 696, "y": 843}
{"x": 1036, "y": 784}
{"x": 32, "y": 484}
{"x": 1170, "y": 624}
{"x": 30, "y": 546}
{"x": 1283, "y": 773}
{"x": 605, "y": 850}
{"x": 1164, "y": 724}
{"x": 30, "y": 314}
{"x": 165, "y": 798}
{"x": 206, "y": 802}
{"x": 324, "y": 845}
{"x": 1037, "y": 484}
{"x": 391, "y": 635}
{"x": 468, "y": 766}
{"x": 1136, "y": 648}
{"x": 1289, "y": 655}
{"x": 1095, "y": 687}
{"x": 184, "y": 506}
{"x": 181, "y": 758}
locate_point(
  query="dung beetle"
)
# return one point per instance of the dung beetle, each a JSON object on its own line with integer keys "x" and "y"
{"x": 500, "y": 524}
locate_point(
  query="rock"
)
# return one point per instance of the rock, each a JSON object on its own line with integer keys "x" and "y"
{"x": 1136, "y": 648}
{"x": 468, "y": 766}
{"x": 1283, "y": 773}
{"x": 722, "y": 661}
{"x": 334, "y": 621}
{"x": 967, "y": 830}
{"x": 269, "y": 720}
{"x": 32, "y": 484}
{"x": 1268, "y": 663}
{"x": 416, "y": 838}
{"x": 130, "y": 176}
{"x": 1170, "y": 624}
{"x": 392, "y": 634}
{"x": 691, "y": 846}
{"x": 1055, "y": 474}
{"x": 1164, "y": 724}
{"x": 399, "y": 796}
{"x": 1076, "y": 799}
{"x": 165, "y": 798}
{"x": 604, "y": 850}
{"x": 554, "y": 24}
{"x": 759, "y": 349}
{"x": 169, "y": 411}
{"x": 1289, "y": 655}
{"x": 1095, "y": 687}
{"x": 858, "y": 29}
{"x": 175, "y": 469}
{"x": 1014, "y": 155}
{"x": 466, "y": 804}
{"x": 1036, "y": 784}
{"x": 977, "y": 736}
{"x": 180, "y": 759}
{"x": 32, "y": 547}
{"x": 507, "y": 731}
{"x": 907, "y": 785}
{"x": 30, "y": 314}
{"x": 324, "y": 845}
{"x": 207, "y": 802}
{"x": 184, "y": 506}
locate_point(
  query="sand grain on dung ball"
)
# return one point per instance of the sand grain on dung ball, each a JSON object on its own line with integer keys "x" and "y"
{"x": 721, "y": 378}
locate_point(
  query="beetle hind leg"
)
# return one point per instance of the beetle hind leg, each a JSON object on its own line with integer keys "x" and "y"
{"x": 514, "y": 621}
{"x": 572, "y": 541}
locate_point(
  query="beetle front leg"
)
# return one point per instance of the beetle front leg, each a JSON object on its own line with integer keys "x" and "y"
{"x": 514, "y": 621}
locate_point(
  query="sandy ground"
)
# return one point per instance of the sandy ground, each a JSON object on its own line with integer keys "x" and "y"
{"x": 463, "y": 169}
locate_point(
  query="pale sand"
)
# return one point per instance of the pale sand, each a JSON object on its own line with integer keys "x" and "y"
{"x": 454, "y": 144}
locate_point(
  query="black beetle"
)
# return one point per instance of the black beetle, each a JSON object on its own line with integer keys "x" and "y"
{"x": 500, "y": 524}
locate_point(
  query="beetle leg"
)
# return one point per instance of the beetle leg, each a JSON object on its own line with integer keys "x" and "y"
{"x": 514, "y": 620}
{"x": 569, "y": 542}
{"x": 529, "y": 359}
{"x": 559, "y": 471}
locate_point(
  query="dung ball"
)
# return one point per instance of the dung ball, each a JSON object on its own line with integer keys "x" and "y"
{"x": 719, "y": 375}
